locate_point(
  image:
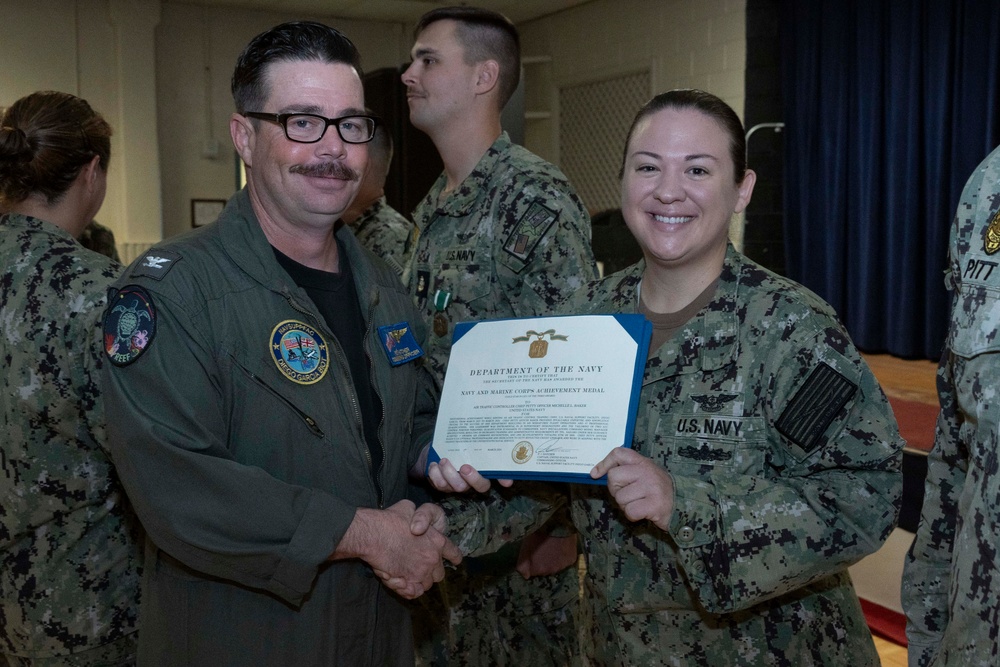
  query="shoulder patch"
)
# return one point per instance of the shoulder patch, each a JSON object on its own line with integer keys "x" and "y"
{"x": 155, "y": 263}
{"x": 129, "y": 325}
{"x": 530, "y": 230}
{"x": 814, "y": 406}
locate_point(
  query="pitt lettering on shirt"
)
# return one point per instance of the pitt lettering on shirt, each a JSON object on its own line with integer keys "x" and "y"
{"x": 978, "y": 269}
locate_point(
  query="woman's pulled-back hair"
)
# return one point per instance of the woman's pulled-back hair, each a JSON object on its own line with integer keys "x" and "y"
{"x": 46, "y": 138}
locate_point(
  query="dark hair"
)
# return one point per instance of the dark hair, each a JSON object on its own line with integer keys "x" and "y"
{"x": 295, "y": 40}
{"x": 484, "y": 35}
{"x": 380, "y": 147}
{"x": 708, "y": 104}
{"x": 46, "y": 138}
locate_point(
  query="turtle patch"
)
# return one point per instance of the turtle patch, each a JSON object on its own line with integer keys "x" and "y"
{"x": 129, "y": 325}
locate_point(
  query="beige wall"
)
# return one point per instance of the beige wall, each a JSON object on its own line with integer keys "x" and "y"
{"x": 163, "y": 82}
{"x": 196, "y": 49}
{"x": 101, "y": 50}
{"x": 682, "y": 43}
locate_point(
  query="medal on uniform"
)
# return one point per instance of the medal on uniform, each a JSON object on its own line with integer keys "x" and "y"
{"x": 992, "y": 241}
{"x": 441, "y": 301}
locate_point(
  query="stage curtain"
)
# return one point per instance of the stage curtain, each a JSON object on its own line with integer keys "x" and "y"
{"x": 888, "y": 106}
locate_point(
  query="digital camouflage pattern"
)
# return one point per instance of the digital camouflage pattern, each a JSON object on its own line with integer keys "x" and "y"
{"x": 100, "y": 239}
{"x": 785, "y": 458}
{"x": 69, "y": 555}
{"x": 512, "y": 240}
{"x": 386, "y": 232}
{"x": 953, "y": 567}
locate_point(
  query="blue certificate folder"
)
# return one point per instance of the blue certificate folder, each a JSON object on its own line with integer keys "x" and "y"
{"x": 623, "y": 326}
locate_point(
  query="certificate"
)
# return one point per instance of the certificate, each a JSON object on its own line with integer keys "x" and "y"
{"x": 541, "y": 398}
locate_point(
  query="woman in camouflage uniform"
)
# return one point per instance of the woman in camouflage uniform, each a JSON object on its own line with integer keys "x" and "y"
{"x": 765, "y": 459}
{"x": 69, "y": 562}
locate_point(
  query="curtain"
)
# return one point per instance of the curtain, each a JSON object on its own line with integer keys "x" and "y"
{"x": 889, "y": 105}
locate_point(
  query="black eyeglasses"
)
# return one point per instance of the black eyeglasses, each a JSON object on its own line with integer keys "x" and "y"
{"x": 308, "y": 128}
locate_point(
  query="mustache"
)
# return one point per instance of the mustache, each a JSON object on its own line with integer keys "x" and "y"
{"x": 327, "y": 170}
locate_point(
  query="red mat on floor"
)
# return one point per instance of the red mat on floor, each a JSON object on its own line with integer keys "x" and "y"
{"x": 885, "y": 622}
{"x": 916, "y": 422}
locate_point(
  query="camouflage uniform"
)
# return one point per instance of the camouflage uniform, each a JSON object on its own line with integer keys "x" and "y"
{"x": 384, "y": 231}
{"x": 100, "y": 239}
{"x": 69, "y": 556}
{"x": 513, "y": 240}
{"x": 784, "y": 456}
{"x": 953, "y": 567}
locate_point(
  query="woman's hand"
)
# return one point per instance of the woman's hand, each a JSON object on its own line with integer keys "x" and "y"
{"x": 642, "y": 488}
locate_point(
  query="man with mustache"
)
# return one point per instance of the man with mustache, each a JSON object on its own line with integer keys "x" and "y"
{"x": 265, "y": 396}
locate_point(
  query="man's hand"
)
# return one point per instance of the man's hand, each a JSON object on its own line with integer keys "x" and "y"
{"x": 444, "y": 477}
{"x": 383, "y": 539}
{"x": 643, "y": 489}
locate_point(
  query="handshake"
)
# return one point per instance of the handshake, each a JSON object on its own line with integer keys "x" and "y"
{"x": 405, "y": 546}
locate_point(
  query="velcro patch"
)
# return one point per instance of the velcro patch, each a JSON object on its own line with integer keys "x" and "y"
{"x": 530, "y": 230}
{"x": 812, "y": 409}
{"x": 155, "y": 263}
{"x": 129, "y": 325}
{"x": 399, "y": 343}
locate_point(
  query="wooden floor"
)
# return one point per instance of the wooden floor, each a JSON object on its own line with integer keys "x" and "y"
{"x": 892, "y": 655}
{"x": 910, "y": 380}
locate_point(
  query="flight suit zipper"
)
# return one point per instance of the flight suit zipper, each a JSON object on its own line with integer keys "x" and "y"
{"x": 356, "y": 409}
{"x": 374, "y": 385}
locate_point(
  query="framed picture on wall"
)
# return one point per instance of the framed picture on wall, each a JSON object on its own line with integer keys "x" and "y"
{"x": 204, "y": 211}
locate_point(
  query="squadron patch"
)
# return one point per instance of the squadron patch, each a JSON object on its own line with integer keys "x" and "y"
{"x": 529, "y": 231}
{"x": 399, "y": 344}
{"x": 299, "y": 352}
{"x": 814, "y": 406}
{"x": 129, "y": 325}
{"x": 992, "y": 241}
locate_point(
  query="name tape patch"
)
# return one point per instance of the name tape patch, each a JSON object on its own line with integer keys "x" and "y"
{"x": 399, "y": 344}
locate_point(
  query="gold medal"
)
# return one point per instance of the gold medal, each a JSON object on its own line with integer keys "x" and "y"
{"x": 538, "y": 348}
{"x": 440, "y": 325}
{"x": 992, "y": 242}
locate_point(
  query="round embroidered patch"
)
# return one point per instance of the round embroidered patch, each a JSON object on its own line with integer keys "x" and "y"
{"x": 299, "y": 352}
{"x": 129, "y": 325}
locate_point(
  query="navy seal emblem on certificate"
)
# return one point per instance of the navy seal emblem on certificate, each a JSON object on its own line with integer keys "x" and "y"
{"x": 399, "y": 344}
{"x": 522, "y": 452}
{"x": 129, "y": 325}
{"x": 299, "y": 352}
